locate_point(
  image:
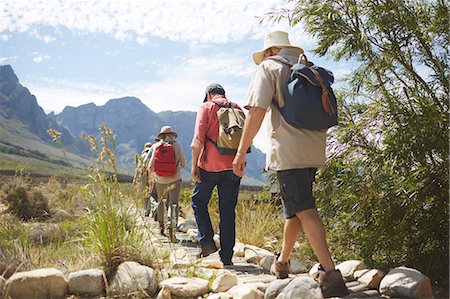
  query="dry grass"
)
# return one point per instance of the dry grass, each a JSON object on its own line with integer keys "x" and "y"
{"x": 258, "y": 222}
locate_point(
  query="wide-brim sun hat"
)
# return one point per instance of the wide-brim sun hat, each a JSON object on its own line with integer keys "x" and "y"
{"x": 166, "y": 130}
{"x": 277, "y": 39}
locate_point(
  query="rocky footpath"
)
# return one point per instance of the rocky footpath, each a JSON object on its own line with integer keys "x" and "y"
{"x": 248, "y": 278}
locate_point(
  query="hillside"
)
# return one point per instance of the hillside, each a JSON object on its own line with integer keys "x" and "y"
{"x": 24, "y": 138}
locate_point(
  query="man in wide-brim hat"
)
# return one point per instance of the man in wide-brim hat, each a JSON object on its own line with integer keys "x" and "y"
{"x": 295, "y": 154}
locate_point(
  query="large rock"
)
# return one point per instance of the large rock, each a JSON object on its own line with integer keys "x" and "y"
{"x": 239, "y": 249}
{"x": 314, "y": 269}
{"x": 253, "y": 254}
{"x": 89, "y": 282}
{"x": 297, "y": 267}
{"x": 180, "y": 258}
{"x": 245, "y": 291}
{"x": 132, "y": 277}
{"x": 164, "y": 293}
{"x": 37, "y": 284}
{"x": 276, "y": 287}
{"x": 266, "y": 262}
{"x": 301, "y": 287}
{"x": 209, "y": 273}
{"x": 187, "y": 225}
{"x": 370, "y": 278}
{"x": 347, "y": 268}
{"x": 220, "y": 295}
{"x": 192, "y": 235}
{"x": 224, "y": 282}
{"x": 186, "y": 287}
{"x": 406, "y": 283}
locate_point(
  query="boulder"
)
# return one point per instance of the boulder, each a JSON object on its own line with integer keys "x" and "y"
{"x": 187, "y": 225}
{"x": 276, "y": 287}
{"x": 370, "y": 278}
{"x": 89, "y": 282}
{"x": 406, "y": 282}
{"x": 301, "y": 287}
{"x": 179, "y": 258}
{"x": 253, "y": 254}
{"x": 41, "y": 283}
{"x": 131, "y": 277}
{"x": 211, "y": 264}
{"x": 314, "y": 269}
{"x": 347, "y": 268}
{"x": 186, "y": 287}
{"x": 220, "y": 295}
{"x": 164, "y": 293}
{"x": 209, "y": 273}
{"x": 266, "y": 262}
{"x": 297, "y": 267}
{"x": 239, "y": 249}
{"x": 192, "y": 235}
{"x": 244, "y": 291}
{"x": 224, "y": 282}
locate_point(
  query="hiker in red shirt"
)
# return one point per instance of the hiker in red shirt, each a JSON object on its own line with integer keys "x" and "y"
{"x": 210, "y": 169}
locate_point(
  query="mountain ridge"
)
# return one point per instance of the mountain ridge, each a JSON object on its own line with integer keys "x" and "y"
{"x": 132, "y": 122}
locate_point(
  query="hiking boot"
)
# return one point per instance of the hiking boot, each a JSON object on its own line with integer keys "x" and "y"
{"x": 207, "y": 249}
{"x": 227, "y": 263}
{"x": 281, "y": 271}
{"x": 331, "y": 283}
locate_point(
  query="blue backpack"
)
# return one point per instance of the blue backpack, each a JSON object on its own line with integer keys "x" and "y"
{"x": 309, "y": 101}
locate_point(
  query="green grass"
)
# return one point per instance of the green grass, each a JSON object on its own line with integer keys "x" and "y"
{"x": 93, "y": 222}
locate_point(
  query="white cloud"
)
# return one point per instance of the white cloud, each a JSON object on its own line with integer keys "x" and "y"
{"x": 38, "y": 58}
{"x": 193, "y": 21}
{"x": 10, "y": 59}
{"x": 4, "y": 37}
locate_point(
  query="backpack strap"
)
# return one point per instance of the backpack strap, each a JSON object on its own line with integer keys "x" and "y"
{"x": 229, "y": 104}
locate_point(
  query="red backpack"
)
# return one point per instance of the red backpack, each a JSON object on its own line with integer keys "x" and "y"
{"x": 165, "y": 161}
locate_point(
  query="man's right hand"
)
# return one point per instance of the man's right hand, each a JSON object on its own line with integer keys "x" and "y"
{"x": 195, "y": 174}
{"x": 239, "y": 165}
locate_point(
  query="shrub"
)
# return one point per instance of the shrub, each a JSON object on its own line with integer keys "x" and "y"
{"x": 23, "y": 201}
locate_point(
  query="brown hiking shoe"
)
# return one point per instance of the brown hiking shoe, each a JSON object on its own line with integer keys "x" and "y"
{"x": 281, "y": 271}
{"x": 331, "y": 283}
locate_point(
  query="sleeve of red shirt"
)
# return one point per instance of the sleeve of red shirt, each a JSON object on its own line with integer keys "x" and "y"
{"x": 201, "y": 126}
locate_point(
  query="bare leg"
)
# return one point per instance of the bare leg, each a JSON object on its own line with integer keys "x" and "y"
{"x": 292, "y": 229}
{"x": 315, "y": 232}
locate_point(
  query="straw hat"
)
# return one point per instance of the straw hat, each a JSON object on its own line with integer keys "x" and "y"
{"x": 166, "y": 130}
{"x": 278, "y": 39}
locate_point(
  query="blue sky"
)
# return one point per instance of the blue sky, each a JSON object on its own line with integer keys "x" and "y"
{"x": 70, "y": 53}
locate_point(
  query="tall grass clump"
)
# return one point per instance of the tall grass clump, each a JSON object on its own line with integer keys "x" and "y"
{"x": 112, "y": 228}
{"x": 22, "y": 200}
{"x": 15, "y": 246}
{"x": 258, "y": 222}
